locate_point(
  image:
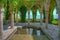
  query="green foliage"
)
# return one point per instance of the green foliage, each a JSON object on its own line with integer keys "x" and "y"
{"x": 13, "y": 4}
{"x": 28, "y": 4}
{"x": 16, "y": 4}
{"x": 7, "y": 13}
{"x": 2, "y": 2}
{"x": 44, "y": 14}
{"x": 23, "y": 10}
{"x": 34, "y": 17}
{"x": 55, "y": 21}
{"x": 34, "y": 10}
{"x": 52, "y": 6}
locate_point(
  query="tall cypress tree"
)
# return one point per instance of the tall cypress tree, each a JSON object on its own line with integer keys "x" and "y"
{"x": 23, "y": 10}
{"x": 34, "y": 10}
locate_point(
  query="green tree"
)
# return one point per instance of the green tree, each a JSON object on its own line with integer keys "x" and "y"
{"x": 34, "y": 10}
{"x": 43, "y": 14}
{"x": 23, "y": 10}
{"x": 7, "y": 14}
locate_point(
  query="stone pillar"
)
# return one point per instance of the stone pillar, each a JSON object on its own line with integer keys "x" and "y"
{"x": 40, "y": 17}
{"x": 46, "y": 4}
{"x": 1, "y": 25}
{"x": 34, "y": 18}
{"x": 58, "y": 11}
{"x": 46, "y": 18}
{"x": 16, "y": 16}
{"x": 12, "y": 19}
{"x": 11, "y": 16}
{"x": 28, "y": 17}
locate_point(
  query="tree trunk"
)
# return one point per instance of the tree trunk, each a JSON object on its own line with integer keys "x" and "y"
{"x": 41, "y": 18}
{"x": 28, "y": 16}
{"x": 12, "y": 19}
{"x": 34, "y": 18}
{"x": 47, "y": 4}
{"x": 58, "y": 10}
{"x": 1, "y": 25}
{"x": 16, "y": 16}
{"x": 46, "y": 20}
{"x": 44, "y": 15}
{"x": 50, "y": 17}
{"x": 59, "y": 22}
{"x": 11, "y": 16}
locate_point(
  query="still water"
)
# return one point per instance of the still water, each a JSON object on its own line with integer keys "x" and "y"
{"x": 29, "y": 34}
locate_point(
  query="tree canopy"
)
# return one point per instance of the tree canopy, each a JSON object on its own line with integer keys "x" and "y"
{"x": 29, "y": 4}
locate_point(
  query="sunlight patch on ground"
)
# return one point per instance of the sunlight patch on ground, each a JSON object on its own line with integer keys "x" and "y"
{"x": 22, "y": 37}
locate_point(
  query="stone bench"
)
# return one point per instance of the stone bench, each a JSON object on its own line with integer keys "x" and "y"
{"x": 8, "y": 33}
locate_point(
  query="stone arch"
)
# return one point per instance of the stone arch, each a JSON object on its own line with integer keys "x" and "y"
{"x": 34, "y": 7}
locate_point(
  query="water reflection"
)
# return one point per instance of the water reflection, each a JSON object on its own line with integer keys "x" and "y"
{"x": 28, "y": 34}
{"x": 38, "y": 32}
{"x": 33, "y": 31}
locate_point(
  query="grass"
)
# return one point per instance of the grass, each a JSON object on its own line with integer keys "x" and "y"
{"x": 55, "y": 21}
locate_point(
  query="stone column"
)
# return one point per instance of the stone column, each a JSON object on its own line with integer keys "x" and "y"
{"x": 34, "y": 18}
{"x": 12, "y": 19}
{"x": 46, "y": 18}
{"x": 58, "y": 11}
{"x": 46, "y": 4}
{"x": 16, "y": 16}
{"x": 1, "y": 25}
{"x": 28, "y": 16}
{"x": 11, "y": 16}
{"x": 40, "y": 17}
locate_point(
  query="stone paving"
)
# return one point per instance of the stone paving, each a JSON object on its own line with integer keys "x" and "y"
{"x": 28, "y": 37}
{"x": 51, "y": 31}
{"x": 21, "y": 37}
